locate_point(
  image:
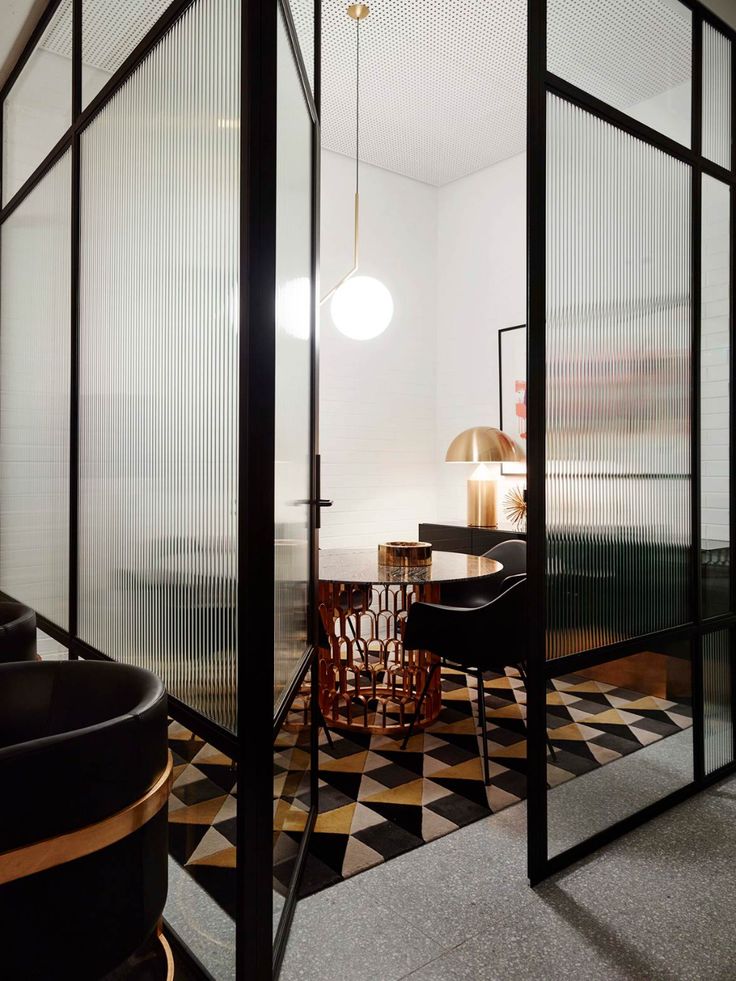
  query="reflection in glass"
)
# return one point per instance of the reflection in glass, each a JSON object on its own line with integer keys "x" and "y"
{"x": 38, "y": 109}
{"x": 159, "y": 364}
{"x": 625, "y": 728}
{"x": 293, "y": 366}
{"x": 292, "y": 797}
{"x": 618, "y": 385}
{"x": 34, "y": 397}
{"x": 635, "y": 56}
{"x": 714, "y": 398}
{"x": 716, "y": 96}
{"x": 718, "y": 731}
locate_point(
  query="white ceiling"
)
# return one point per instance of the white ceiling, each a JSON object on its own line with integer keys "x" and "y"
{"x": 443, "y": 82}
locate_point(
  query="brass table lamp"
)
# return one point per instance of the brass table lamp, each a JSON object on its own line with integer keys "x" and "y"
{"x": 483, "y": 445}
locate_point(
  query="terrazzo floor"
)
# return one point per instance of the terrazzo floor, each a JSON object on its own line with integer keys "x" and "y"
{"x": 657, "y": 905}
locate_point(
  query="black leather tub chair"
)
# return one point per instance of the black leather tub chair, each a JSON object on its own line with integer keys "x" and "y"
{"x": 17, "y": 633}
{"x": 85, "y": 772}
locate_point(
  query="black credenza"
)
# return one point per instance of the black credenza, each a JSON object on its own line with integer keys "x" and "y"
{"x": 462, "y": 538}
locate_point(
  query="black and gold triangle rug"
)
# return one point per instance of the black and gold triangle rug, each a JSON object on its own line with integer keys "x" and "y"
{"x": 377, "y": 801}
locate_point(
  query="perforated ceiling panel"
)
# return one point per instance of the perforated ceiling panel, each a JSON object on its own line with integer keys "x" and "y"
{"x": 112, "y": 28}
{"x": 443, "y": 83}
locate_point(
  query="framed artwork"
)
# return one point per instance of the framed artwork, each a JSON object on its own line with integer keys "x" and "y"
{"x": 512, "y": 389}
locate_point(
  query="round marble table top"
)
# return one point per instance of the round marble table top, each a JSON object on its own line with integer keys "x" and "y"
{"x": 360, "y": 565}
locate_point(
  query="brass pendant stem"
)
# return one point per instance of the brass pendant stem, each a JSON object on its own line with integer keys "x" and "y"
{"x": 356, "y": 254}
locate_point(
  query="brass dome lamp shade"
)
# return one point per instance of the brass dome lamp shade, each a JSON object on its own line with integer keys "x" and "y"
{"x": 483, "y": 445}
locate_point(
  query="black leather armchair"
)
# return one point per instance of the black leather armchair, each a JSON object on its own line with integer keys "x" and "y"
{"x": 85, "y": 772}
{"x": 478, "y": 592}
{"x": 484, "y": 638}
{"x": 17, "y": 633}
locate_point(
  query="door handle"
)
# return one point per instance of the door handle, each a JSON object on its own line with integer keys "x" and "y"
{"x": 322, "y": 502}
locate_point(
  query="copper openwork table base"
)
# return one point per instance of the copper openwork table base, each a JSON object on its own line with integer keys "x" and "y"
{"x": 367, "y": 681}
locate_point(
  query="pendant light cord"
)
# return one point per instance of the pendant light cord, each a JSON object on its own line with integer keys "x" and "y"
{"x": 357, "y": 105}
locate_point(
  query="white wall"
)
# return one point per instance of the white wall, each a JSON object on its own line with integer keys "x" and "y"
{"x": 454, "y": 259}
{"x": 377, "y": 398}
{"x": 481, "y": 288}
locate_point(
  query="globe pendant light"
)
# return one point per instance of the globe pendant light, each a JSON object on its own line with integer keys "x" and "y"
{"x": 362, "y": 307}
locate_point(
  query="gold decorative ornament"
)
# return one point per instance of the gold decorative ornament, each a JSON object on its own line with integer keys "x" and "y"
{"x": 405, "y": 553}
{"x": 514, "y": 506}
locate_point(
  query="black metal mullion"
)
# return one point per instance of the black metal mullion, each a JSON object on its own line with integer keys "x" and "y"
{"x": 316, "y": 475}
{"x": 53, "y": 157}
{"x": 696, "y": 584}
{"x": 536, "y": 450}
{"x": 616, "y": 117}
{"x": 74, "y": 331}
{"x": 254, "y": 948}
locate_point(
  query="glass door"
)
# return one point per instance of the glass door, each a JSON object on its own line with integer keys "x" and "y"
{"x": 279, "y": 508}
{"x": 295, "y": 484}
{"x": 630, "y": 323}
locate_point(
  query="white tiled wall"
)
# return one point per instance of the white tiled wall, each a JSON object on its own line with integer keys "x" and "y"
{"x": 377, "y": 398}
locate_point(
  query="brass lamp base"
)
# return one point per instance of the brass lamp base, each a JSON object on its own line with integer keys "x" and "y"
{"x": 482, "y": 503}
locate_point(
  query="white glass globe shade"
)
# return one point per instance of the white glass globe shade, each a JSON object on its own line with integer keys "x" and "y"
{"x": 362, "y": 308}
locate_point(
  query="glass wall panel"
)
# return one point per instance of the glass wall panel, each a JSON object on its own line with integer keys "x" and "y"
{"x": 109, "y": 34}
{"x": 159, "y": 364}
{"x": 38, "y": 109}
{"x": 716, "y": 96}
{"x": 35, "y": 339}
{"x": 635, "y": 56}
{"x": 718, "y": 734}
{"x": 293, "y": 366}
{"x": 618, "y": 385}
{"x": 303, "y": 13}
{"x": 714, "y": 398}
{"x": 623, "y": 739}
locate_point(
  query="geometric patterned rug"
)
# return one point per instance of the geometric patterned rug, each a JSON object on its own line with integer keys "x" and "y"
{"x": 377, "y": 802}
{"x": 202, "y": 814}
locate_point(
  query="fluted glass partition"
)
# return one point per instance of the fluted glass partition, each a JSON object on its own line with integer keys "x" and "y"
{"x": 618, "y": 384}
{"x": 109, "y": 33}
{"x": 293, "y": 366}
{"x": 635, "y": 55}
{"x": 158, "y": 368}
{"x": 716, "y": 96}
{"x": 718, "y": 733}
{"x": 35, "y": 338}
{"x": 715, "y": 423}
{"x": 38, "y": 109}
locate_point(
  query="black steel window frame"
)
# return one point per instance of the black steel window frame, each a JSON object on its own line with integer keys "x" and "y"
{"x": 540, "y": 82}
{"x": 258, "y": 955}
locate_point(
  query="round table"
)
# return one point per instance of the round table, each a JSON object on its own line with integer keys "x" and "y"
{"x": 367, "y": 681}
